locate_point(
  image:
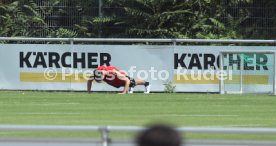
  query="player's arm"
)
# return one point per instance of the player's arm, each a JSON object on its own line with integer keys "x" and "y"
{"x": 127, "y": 82}
{"x": 89, "y": 84}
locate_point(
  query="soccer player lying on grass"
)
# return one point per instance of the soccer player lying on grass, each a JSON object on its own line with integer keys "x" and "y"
{"x": 113, "y": 77}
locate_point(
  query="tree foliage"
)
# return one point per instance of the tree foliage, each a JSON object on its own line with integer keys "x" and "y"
{"x": 212, "y": 19}
{"x": 21, "y": 19}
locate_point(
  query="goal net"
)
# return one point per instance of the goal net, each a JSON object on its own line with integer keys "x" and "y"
{"x": 250, "y": 72}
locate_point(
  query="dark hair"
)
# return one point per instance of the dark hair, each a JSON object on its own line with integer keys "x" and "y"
{"x": 159, "y": 135}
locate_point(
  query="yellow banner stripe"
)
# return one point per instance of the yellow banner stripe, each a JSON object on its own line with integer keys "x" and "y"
{"x": 178, "y": 79}
{"x": 201, "y": 79}
{"x": 51, "y": 77}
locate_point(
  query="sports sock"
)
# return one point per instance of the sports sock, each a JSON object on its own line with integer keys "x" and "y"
{"x": 146, "y": 83}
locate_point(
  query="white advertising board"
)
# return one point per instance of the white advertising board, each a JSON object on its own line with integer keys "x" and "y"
{"x": 43, "y": 67}
{"x": 196, "y": 69}
{"x": 192, "y": 68}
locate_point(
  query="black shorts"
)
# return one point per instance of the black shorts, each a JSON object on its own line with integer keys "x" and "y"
{"x": 132, "y": 82}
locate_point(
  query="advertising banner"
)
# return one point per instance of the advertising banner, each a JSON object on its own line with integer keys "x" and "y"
{"x": 191, "y": 68}
{"x": 65, "y": 67}
{"x": 196, "y": 68}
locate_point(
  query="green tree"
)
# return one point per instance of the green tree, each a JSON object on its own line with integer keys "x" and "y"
{"x": 88, "y": 10}
{"x": 212, "y": 19}
{"x": 164, "y": 19}
{"x": 142, "y": 18}
{"x": 21, "y": 18}
{"x": 260, "y": 21}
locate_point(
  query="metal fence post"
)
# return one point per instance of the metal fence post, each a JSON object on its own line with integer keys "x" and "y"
{"x": 100, "y": 15}
{"x": 104, "y": 135}
{"x": 274, "y": 73}
{"x": 71, "y": 40}
{"x": 221, "y": 81}
{"x": 174, "y": 42}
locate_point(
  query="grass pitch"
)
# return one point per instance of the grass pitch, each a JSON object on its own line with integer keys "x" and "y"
{"x": 73, "y": 108}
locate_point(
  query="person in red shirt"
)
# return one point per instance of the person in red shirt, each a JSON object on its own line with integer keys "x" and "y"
{"x": 113, "y": 77}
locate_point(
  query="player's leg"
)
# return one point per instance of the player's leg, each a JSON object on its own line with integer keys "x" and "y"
{"x": 141, "y": 82}
{"x": 145, "y": 83}
{"x": 134, "y": 82}
{"x": 131, "y": 85}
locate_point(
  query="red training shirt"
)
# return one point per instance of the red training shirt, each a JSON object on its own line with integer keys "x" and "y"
{"x": 111, "y": 78}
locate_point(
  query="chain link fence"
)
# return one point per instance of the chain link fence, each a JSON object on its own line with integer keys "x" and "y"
{"x": 257, "y": 18}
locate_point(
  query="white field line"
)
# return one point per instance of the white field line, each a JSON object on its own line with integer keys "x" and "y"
{"x": 181, "y": 115}
{"x": 51, "y": 113}
{"x": 166, "y": 115}
{"x": 42, "y": 104}
{"x": 175, "y": 115}
{"x": 53, "y": 104}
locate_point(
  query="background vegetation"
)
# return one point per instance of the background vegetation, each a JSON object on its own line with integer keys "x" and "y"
{"x": 212, "y": 19}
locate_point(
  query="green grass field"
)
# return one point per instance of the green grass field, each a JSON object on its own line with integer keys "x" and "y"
{"x": 75, "y": 108}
